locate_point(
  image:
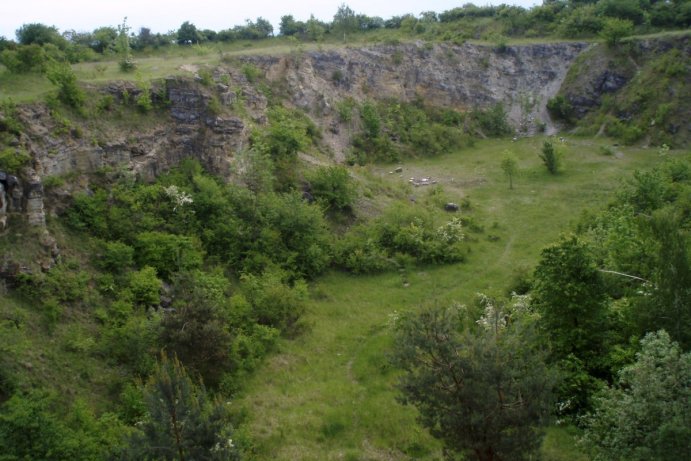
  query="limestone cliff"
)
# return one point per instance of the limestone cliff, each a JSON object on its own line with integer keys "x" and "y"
{"x": 522, "y": 78}
{"x": 209, "y": 120}
{"x": 210, "y": 117}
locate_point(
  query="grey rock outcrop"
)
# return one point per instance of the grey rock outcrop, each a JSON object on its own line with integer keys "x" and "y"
{"x": 207, "y": 120}
{"x": 464, "y": 77}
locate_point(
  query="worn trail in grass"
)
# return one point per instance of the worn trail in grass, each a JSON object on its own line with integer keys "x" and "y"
{"x": 329, "y": 394}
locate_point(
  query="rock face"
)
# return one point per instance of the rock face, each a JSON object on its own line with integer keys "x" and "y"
{"x": 191, "y": 128}
{"x": 601, "y": 71}
{"x": 207, "y": 119}
{"x": 10, "y": 197}
{"x": 463, "y": 77}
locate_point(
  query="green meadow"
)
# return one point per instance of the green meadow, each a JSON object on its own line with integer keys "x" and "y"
{"x": 329, "y": 394}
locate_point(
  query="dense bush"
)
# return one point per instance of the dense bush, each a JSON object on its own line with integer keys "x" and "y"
{"x": 63, "y": 77}
{"x": 492, "y": 121}
{"x": 333, "y": 187}
{"x": 115, "y": 257}
{"x": 25, "y": 58}
{"x": 392, "y": 128}
{"x": 560, "y": 108}
{"x": 38, "y": 425}
{"x": 13, "y": 159}
{"x": 375, "y": 247}
{"x": 274, "y": 301}
{"x": 550, "y": 157}
{"x": 168, "y": 253}
{"x": 145, "y": 287}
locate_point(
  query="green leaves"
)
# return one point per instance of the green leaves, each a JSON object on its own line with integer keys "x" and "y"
{"x": 570, "y": 295}
{"x": 484, "y": 391}
{"x": 183, "y": 421}
{"x": 509, "y": 165}
{"x": 550, "y": 157}
{"x": 37, "y": 425}
{"x": 333, "y": 187}
{"x": 646, "y": 415}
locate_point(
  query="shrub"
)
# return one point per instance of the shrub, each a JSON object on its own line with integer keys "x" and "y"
{"x": 509, "y": 165}
{"x": 251, "y": 345}
{"x": 69, "y": 93}
{"x": 374, "y": 247}
{"x": 293, "y": 235}
{"x": 345, "y": 108}
{"x": 116, "y": 257}
{"x": 370, "y": 120}
{"x": 12, "y": 160}
{"x": 333, "y": 187}
{"x": 168, "y": 253}
{"x": 126, "y": 63}
{"x": 132, "y": 342}
{"x": 274, "y": 302}
{"x": 286, "y": 136}
{"x": 65, "y": 284}
{"x": 560, "y": 108}
{"x": 25, "y": 58}
{"x": 337, "y": 76}
{"x": 492, "y": 121}
{"x": 206, "y": 77}
{"x": 614, "y": 29}
{"x": 360, "y": 253}
{"x": 145, "y": 287}
{"x": 582, "y": 21}
{"x": 251, "y": 72}
{"x": 550, "y": 157}
{"x": 143, "y": 101}
{"x": 89, "y": 212}
{"x": 37, "y": 425}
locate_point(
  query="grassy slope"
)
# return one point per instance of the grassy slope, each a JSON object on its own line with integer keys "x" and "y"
{"x": 329, "y": 394}
{"x": 61, "y": 356}
{"x": 168, "y": 61}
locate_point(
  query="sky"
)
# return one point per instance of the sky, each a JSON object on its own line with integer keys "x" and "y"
{"x": 165, "y": 15}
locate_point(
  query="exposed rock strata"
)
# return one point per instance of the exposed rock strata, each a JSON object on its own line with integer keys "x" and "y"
{"x": 209, "y": 120}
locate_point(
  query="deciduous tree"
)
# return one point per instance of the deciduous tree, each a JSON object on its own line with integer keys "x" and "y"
{"x": 647, "y": 415}
{"x": 509, "y": 165}
{"x": 570, "y": 295}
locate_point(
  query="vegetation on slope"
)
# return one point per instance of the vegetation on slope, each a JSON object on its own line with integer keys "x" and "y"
{"x": 634, "y": 92}
{"x": 339, "y": 375}
{"x": 169, "y": 299}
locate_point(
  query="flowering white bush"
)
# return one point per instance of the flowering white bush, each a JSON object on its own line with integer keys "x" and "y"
{"x": 180, "y": 197}
{"x": 497, "y": 315}
{"x": 451, "y": 232}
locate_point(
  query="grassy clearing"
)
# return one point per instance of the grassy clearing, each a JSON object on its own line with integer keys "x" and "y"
{"x": 22, "y": 88}
{"x": 329, "y": 394}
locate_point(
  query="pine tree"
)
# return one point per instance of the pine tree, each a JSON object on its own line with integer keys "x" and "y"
{"x": 484, "y": 390}
{"x": 183, "y": 422}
